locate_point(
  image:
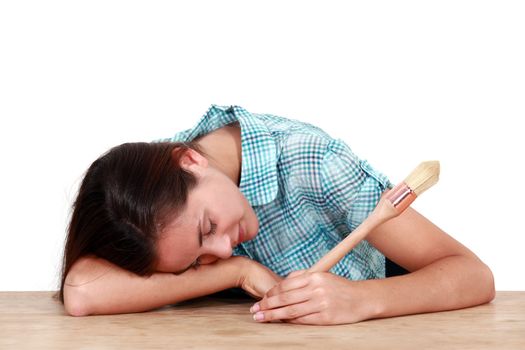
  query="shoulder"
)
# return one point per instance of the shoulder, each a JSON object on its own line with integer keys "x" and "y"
{"x": 294, "y": 137}
{"x": 296, "y": 144}
{"x": 308, "y": 147}
{"x": 303, "y": 151}
{"x": 289, "y": 127}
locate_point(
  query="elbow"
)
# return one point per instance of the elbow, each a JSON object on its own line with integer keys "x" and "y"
{"x": 490, "y": 285}
{"x": 76, "y": 301}
{"x": 483, "y": 283}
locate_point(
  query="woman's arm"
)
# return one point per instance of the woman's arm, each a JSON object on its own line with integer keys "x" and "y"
{"x": 96, "y": 286}
{"x": 445, "y": 275}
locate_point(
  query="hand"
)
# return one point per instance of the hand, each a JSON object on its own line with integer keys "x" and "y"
{"x": 257, "y": 279}
{"x": 314, "y": 298}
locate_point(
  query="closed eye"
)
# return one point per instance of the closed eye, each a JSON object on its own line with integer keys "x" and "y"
{"x": 213, "y": 228}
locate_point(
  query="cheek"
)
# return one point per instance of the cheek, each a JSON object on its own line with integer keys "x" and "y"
{"x": 162, "y": 258}
{"x": 166, "y": 255}
{"x": 174, "y": 253}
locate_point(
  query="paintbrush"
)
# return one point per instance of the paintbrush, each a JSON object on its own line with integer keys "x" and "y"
{"x": 391, "y": 204}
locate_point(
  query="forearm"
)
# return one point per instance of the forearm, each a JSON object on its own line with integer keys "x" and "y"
{"x": 120, "y": 291}
{"x": 452, "y": 282}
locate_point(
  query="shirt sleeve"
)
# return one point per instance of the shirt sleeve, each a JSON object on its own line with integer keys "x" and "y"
{"x": 351, "y": 187}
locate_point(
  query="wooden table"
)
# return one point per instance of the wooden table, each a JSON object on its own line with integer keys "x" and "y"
{"x": 33, "y": 320}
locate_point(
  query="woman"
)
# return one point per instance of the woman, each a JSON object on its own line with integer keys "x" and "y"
{"x": 243, "y": 200}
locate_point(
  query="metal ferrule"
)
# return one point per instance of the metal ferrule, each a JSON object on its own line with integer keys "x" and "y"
{"x": 401, "y": 196}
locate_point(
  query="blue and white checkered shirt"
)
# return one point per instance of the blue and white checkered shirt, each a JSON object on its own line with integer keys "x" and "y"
{"x": 307, "y": 189}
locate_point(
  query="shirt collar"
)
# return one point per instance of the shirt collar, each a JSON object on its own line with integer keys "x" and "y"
{"x": 259, "y": 151}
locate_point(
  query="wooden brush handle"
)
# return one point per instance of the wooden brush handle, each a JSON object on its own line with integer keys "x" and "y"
{"x": 384, "y": 211}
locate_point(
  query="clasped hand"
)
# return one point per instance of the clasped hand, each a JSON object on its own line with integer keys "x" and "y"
{"x": 319, "y": 298}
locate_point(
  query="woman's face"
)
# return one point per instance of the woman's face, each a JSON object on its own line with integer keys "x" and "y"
{"x": 216, "y": 218}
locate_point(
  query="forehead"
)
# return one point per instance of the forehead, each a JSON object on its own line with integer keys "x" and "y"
{"x": 180, "y": 220}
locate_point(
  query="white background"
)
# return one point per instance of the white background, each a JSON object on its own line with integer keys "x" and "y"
{"x": 399, "y": 81}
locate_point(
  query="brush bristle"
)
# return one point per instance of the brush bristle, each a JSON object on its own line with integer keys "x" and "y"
{"x": 423, "y": 177}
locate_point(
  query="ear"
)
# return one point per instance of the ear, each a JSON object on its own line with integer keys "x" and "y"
{"x": 191, "y": 160}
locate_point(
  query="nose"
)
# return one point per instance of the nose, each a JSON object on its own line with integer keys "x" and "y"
{"x": 222, "y": 246}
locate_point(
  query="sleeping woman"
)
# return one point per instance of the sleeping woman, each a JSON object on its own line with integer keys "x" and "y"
{"x": 251, "y": 201}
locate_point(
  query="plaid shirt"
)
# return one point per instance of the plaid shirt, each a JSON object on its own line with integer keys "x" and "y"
{"x": 307, "y": 189}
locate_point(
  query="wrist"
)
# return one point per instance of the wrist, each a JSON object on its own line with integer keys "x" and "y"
{"x": 373, "y": 298}
{"x": 240, "y": 265}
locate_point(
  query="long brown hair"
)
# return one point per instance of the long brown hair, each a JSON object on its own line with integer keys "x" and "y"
{"x": 124, "y": 196}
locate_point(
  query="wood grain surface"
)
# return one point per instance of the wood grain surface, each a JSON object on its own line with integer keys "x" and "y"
{"x": 34, "y": 320}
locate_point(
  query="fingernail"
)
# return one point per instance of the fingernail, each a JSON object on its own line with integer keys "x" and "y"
{"x": 256, "y": 307}
{"x": 258, "y": 316}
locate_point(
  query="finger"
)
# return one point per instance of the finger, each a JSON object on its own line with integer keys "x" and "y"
{"x": 313, "y": 318}
{"x": 280, "y": 300}
{"x": 288, "y": 284}
{"x": 285, "y": 313}
{"x": 296, "y": 273}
